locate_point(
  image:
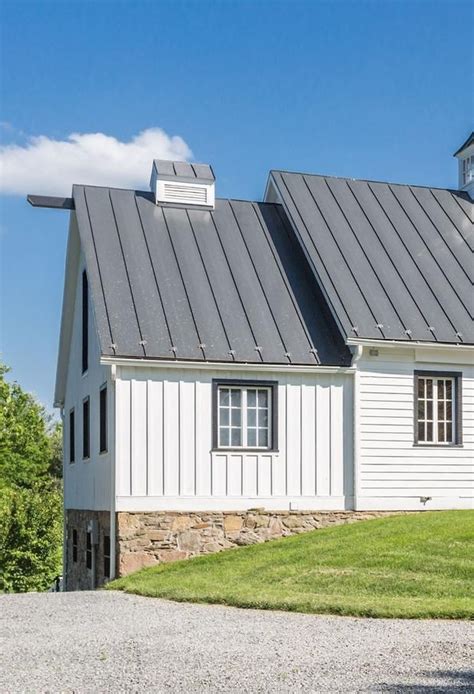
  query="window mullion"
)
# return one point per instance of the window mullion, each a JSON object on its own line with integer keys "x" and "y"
{"x": 435, "y": 410}
{"x": 243, "y": 418}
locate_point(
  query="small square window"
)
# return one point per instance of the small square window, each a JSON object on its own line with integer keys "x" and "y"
{"x": 245, "y": 414}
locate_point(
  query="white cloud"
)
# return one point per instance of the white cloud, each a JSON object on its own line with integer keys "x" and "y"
{"x": 49, "y": 167}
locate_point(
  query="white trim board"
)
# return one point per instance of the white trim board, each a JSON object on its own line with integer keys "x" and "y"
{"x": 223, "y": 503}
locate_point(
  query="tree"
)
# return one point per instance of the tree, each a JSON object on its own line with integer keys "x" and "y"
{"x": 30, "y": 491}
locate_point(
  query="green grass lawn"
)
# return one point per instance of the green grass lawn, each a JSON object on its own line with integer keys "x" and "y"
{"x": 419, "y": 565}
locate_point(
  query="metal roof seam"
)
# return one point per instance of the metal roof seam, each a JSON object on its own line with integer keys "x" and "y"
{"x": 109, "y": 325}
{"x": 224, "y": 329}
{"x": 142, "y": 340}
{"x": 154, "y": 273}
{"x": 356, "y": 282}
{"x": 283, "y": 276}
{"x": 285, "y": 349}
{"x": 456, "y": 200}
{"x": 322, "y": 285}
{"x": 428, "y": 249}
{"x": 451, "y": 221}
{"x": 382, "y": 286}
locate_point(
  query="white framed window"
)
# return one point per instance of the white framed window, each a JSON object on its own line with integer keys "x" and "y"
{"x": 437, "y": 408}
{"x": 244, "y": 415}
{"x": 467, "y": 169}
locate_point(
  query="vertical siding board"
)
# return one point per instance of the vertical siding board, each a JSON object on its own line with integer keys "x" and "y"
{"x": 293, "y": 442}
{"x": 219, "y": 475}
{"x": 279, "y": 462}
{"x": 123, "y": 438}
{"x": 264, "y": 481}
{"x": 155, "y": 438}
{"x": 308, "y": 440}
{"x": 336, "y": 439}
{"x": 139, "y": 437}
{"x": 203, "y": 418}
{"x": 323, "y": 437}
{"x": 234, "y": 475}
{"x": 187, "y": 436}
{"x": 249, "y": 475}
{"x": 171, "y": 437}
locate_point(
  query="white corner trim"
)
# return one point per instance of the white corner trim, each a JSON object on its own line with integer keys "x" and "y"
{"x": 222, "y": 366}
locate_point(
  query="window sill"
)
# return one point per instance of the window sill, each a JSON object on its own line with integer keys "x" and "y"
{"x": 86, "y": 459}
{"x": 244, "y": 450}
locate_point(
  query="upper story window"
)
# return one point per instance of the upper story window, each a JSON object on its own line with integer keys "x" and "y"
{"x": 85, "y": 322}
{"x": 245, "y": 415}
{"x": 103, "y": 419}
{"x": 467, "y": 170}
{"x": 86, "y": 428}
{"x": 438, "y": 408}
{"x": 72, "y": 436}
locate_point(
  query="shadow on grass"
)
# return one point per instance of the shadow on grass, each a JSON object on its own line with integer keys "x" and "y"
{"x": 453, "y": 681}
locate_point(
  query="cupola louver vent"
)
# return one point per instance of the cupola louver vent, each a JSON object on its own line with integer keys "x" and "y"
{"x": 182, "y": 184}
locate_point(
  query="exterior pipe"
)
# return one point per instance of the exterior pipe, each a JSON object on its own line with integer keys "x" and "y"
{"x": 357, "y": 351}
{"x": 113, "y": 462}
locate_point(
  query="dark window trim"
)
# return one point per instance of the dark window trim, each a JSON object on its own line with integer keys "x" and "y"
{"x": 246, "y": 383}
{"x": 74, "y": 545}
{"x": 457, "y": 423}
{"x": 72, "y": 436}
{"x": 85, "y": 322}
{"x": 103, "y": 432}
{"x": 86, "y": 448}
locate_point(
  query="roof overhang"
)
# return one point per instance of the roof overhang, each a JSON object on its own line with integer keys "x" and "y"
{"x": 412, "y": 344}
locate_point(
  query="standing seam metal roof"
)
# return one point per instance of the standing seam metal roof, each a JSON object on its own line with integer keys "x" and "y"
{"x": 394, "y": 261}
{"x": 225, "y": 285}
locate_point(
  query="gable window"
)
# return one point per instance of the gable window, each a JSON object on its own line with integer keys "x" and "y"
{"x": 89, "y": 550}
{"x": 103, "y": 419}
{"x": 467, "y": 169}
{"x": 74, "y": 545}
{"x": 85, "y": 322}
{"x": 438, "y": 419}
{"x": 106, "y": 556}
{"x": 72, "y": 437}
{"x": 245, "y": 415}
{"x": 86, "y": 429}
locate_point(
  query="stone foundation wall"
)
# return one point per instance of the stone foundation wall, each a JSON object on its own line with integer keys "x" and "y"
{"x": 78, "y": 576}
{"x": 145, "y": 539}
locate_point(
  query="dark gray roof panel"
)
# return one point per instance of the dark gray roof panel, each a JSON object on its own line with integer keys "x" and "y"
{"x": 465, "y": 144}
{"x": 183, "y": 169}
{"x": 201, "y": 285}
{"x": 393, "y": 261}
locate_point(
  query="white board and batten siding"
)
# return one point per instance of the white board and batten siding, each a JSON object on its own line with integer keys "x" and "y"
{"x": 392, "y": 472}
{"x": 165, "y": 459}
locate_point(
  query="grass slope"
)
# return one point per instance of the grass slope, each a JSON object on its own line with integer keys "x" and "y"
{"x": 419, "y": 565}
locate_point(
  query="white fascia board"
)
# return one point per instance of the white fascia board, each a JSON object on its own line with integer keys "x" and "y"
{"x": 223, "y": 366}
{"x": 413, "y": 344}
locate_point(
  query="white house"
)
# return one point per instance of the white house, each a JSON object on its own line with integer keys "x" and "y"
{"x": 310, "y": 353}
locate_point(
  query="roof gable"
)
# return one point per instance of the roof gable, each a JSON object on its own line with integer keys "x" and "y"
{"x": 394, "y": 261}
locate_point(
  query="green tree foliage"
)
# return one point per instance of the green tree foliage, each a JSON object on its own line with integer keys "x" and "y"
{"x": 30, "y": 537}
{"x": 30, "y": 491}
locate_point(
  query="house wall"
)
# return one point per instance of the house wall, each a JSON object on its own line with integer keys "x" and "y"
{"x": 392, "y": 472}
{"x": 87, "y": 483}
{"x": 164, "y": 450}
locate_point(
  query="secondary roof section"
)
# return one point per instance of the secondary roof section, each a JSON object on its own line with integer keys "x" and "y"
{"x": 230, "y": 284}
{"x": 393, "y": 261}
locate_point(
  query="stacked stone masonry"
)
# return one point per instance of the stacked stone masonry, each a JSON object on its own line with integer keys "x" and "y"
{"x": 145, "y": 539}
{"x": 78, "y": 576}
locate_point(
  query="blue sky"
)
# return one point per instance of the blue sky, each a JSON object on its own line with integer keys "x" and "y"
{"x": 379, "y": 90}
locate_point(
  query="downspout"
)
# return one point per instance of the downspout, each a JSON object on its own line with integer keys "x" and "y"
{"x": 357, "y": 352}
{"x": 113, "y": 463}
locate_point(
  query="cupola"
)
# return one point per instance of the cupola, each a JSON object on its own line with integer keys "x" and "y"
{"x": 181, "y": 184}
{"x": 465, "y": 157}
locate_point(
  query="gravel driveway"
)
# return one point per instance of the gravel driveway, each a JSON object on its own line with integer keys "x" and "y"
{"x": 113, "y": 642}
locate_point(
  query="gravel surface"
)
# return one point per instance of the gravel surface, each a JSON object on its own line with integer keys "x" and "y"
{"x": 113, "y": 642}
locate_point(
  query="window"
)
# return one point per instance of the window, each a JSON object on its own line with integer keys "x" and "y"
{"x": 74, "y": 545}
{"x": 72, "y": 437}
{"x": 467, "y": 170}
{"x": 438, "y": 419}
{"x": 106, "y": 556}
{"x": 86, "y": 426}
{"x": 89, "y": 550}
{"x": 85, "y": 323}
{"x": 245, "y": 414}
{"x": 103, "y": 419}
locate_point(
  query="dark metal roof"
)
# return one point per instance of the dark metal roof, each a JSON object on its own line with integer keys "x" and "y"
{"x": 394, "y": 261}
{"x": 53, "y": 203}
{"x": 183, "y": 169}
{"x": 225, "y": 285}
{"x": 465, "y": 144}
